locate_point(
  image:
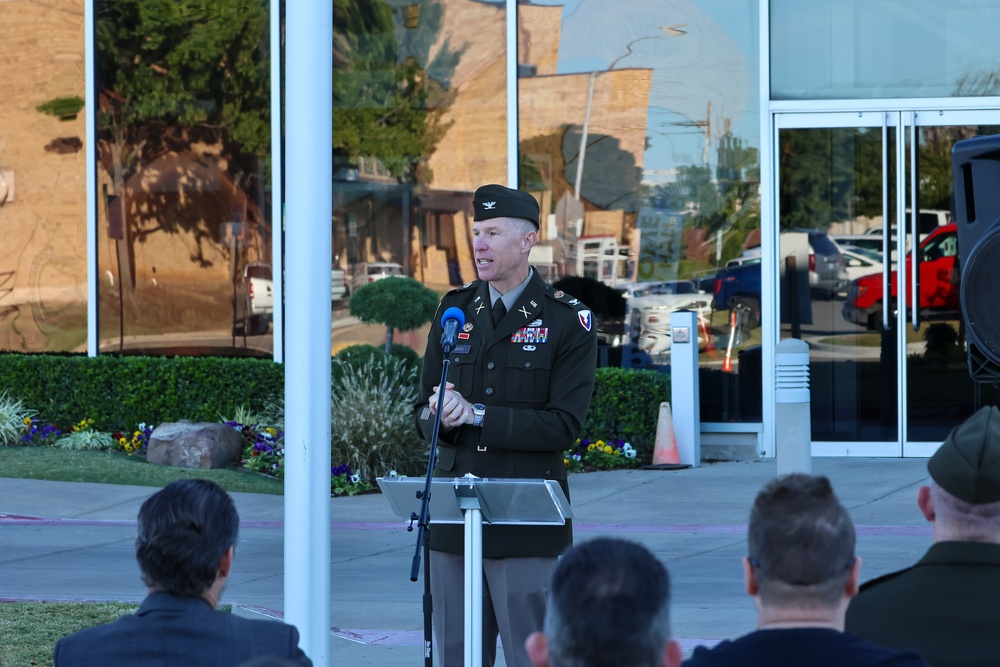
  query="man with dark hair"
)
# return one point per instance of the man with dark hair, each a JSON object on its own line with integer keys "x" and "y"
{"x": 801, "y": 573}
{"x": 517, "y": 392}
{"x": 945, "y": 605}
{"x": 185, "y": 546}
{"x": 609, "y": 605}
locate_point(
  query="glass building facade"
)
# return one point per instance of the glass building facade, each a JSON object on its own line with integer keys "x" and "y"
{"x": 695, "y": 154}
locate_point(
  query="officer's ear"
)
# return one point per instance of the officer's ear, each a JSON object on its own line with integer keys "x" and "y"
{"x": 528, "y": 241}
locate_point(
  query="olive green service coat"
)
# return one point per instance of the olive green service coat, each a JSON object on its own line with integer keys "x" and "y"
{"x": 945, "y": 606}
{"x": 535, "y": 375}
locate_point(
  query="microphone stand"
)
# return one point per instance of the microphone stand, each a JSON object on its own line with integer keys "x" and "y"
{"x": 423, "y": 521}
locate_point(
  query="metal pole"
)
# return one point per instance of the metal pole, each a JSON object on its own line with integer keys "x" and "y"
{"x": 309, "y": 95}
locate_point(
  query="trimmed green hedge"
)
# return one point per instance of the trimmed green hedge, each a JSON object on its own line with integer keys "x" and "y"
{"x": 626, "y": 405}
{"x": 118, "y": 392}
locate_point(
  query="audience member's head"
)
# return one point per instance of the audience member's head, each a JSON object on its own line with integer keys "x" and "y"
{"x": 186, "y": 538}
{"x": 609, "y": 604}
{"x": 801, "y": 544}
{"x": 963, "y": 499}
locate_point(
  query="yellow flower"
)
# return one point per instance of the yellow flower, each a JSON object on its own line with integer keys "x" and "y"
{"x": 591, "y": 447}
{"x": 607, "y": 449}
{"x": 617, "y": 453}
{"x": 122, "y": 441}
{"x": 137, "y": 434}
{"x": 27, "y": 422}
{"x": 565, "y": 461}
{"x": 600, "y": 443}
{"x": 271, "y": 430}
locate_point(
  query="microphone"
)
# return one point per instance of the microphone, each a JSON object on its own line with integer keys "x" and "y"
{"x": 452, "y": 320}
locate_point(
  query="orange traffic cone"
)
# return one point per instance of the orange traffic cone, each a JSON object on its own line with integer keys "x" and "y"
{"x": 665, "y": 454}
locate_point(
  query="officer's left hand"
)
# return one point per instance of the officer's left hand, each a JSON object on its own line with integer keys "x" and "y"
{"x": 455, "y": 410}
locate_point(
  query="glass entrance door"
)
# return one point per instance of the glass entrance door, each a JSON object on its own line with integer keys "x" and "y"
{"x": 856, "y": 194}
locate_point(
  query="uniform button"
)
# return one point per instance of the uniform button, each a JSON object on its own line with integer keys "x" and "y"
{"x": 454, "y": 360}
{"x": 527, "y": 364}
{"x": 491, "y": 365}
{"x": 489, "y": 391}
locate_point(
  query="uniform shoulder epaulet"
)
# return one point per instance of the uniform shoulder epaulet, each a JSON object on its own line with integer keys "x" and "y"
{"x": 884, "y": 578}
{"x": 564, "y": 298}
{"x": 466, "y": 286}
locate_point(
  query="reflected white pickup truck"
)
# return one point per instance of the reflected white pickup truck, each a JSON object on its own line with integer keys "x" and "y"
{"x": 254, "y": 296}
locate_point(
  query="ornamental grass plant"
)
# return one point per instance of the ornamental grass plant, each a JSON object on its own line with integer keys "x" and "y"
{"x": 372, "y": 418}
{"x": 15, "y": 417}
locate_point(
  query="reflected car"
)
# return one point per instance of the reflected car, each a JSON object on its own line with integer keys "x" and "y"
{"x": 339, "y": 289}
{"x": 860, "y": 262}
{"x": 369, "y": 272}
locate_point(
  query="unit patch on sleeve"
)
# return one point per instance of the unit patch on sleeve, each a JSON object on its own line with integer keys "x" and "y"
{"x": 585, "y": 319}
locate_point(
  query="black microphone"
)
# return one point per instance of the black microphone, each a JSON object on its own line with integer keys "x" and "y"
{"x": 452, "y": 320}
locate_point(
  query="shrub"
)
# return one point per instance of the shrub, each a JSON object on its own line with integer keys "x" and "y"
{"x": 398, "y": 302}
{"x": 626, "y": 406}
{"x": 372, "y": 428}
{"x": 361, "y": 355}
{"x": 118, "y": 392}
{"x": 14, "y": 419}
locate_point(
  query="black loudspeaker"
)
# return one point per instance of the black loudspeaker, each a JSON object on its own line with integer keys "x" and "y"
{"x": 976, "y": 173}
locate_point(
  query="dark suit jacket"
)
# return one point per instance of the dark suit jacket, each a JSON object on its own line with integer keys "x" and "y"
{"x": 171, "y": 631}
{"x": 535, "y": 375}
{"x": 946, "y": 606}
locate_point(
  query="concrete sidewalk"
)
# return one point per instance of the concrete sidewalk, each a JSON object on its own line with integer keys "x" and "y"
{"x": 64, "y": 540}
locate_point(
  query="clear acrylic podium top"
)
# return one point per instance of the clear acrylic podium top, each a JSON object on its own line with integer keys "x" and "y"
{"x": 539, "y": 502}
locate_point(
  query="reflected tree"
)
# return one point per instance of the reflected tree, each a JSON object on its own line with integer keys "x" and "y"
{"x": 170, "y": 71}
{"x": 388, "y": 94}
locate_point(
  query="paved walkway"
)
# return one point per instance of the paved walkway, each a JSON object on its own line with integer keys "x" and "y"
{"x": 64, "y": 540}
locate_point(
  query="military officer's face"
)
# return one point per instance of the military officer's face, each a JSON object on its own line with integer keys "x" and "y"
{"x": 501, "y": 246}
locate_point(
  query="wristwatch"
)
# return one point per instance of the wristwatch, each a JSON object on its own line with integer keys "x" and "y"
{"x": 478, "y": 412}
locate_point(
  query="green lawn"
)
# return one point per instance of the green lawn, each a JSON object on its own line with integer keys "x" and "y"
{"x": 30, "y": 630}
{"x": 110, "y": 468}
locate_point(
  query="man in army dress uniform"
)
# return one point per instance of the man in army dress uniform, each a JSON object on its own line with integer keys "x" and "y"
{"x": 946, "y": 605}
{"x": 519, "y": 385}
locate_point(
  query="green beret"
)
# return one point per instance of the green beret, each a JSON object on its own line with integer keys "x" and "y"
{"x": 496, "y": 201}
{"x": 967, "y": 465}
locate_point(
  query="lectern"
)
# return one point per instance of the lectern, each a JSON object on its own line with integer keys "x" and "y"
{"x": 472, "y": 500}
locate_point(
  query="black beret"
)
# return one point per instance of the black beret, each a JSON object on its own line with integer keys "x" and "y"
{"x": 967, "y": 465}
{"x": 496, "y": 201}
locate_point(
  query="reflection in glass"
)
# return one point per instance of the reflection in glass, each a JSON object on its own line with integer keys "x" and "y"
{"x": 862, "y": 49}
{"x": 419, "y": 123}
{"x": 43, "y": 266}
{"x": 638, "y": 136}
{"x": 941, "y": 393}
{"x": 830, "y": 184}
{"x": 184, "y": 236}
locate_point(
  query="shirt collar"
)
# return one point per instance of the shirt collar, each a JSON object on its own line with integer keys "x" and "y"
{"x": 511, "y": 297}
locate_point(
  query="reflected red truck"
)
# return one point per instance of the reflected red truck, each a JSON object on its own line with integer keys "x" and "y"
{"x": 939, "y": 284}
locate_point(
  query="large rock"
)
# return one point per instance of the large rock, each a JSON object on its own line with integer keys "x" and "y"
{"x": 186, "y": 444}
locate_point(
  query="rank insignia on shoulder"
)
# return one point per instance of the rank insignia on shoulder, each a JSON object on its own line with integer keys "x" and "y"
{"x": 466, "y": 285}
{"x": 585, "y": 319}
{"x": 530, "y": 335}
{"x": 573, "y": 302}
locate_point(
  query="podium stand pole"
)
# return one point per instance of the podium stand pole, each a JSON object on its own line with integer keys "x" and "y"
{"x": 468, "y": 502}
{"x": 473, "y": 587}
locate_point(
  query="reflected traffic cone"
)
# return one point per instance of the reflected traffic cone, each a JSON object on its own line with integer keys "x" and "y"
{"x": 709, "y": 344}
{"x": 727, "y": 362}
{"x": 665, "y": 454}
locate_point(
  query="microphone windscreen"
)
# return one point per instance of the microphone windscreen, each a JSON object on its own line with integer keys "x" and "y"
{"x": 453, "y": 313}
